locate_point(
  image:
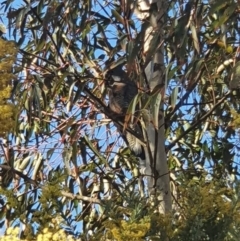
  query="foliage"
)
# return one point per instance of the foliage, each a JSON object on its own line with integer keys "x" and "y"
{"x": 209, "y": 211}
{"x": 8, "y": 54}
{"x": 67, "y": 161}
{"x": 236, "y": 119}
{"x": 129, "y": 230}
{"x": 46, "y": 235}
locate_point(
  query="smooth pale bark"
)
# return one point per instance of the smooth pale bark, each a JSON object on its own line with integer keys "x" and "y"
{"x": 159, "y": 187}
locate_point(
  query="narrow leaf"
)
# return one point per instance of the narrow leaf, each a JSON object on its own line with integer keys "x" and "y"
{"x": 174, "y": 96}
{"x": 195, "y": 38}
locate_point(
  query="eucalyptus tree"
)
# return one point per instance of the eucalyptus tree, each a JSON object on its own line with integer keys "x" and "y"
{"x": 67, "y": 152}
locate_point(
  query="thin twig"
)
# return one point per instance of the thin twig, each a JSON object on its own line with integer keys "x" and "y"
{"x": 198, "y": 121}
{"x": 80, "y": 197}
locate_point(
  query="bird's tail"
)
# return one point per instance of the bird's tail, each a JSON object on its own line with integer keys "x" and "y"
{"x": 133, "y": 142}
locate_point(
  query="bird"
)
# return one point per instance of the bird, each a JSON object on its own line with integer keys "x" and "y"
{"x": 121, "y": 92}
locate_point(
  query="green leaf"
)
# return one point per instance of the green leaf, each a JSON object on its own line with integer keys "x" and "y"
{"x": 174, "y": 96}
{"x": 24, "y": 163}
{"x": 217, "y": 6}
{"x": 74, "y": 153}
{"x": 155, "y": 106}
{"x": 117, "y": 16}
{"x": 67, "y": 155}
{"x": 38, "y": 162}
{"x": 132, "y": 107}
{"x": 95, "y": 151}
{"x": 195, "y": 38}
{"x": 223, "y": 18}
{"x": 51, "y": 151}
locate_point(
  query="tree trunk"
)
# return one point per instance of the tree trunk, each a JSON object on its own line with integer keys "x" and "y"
{"x": 156, "y": 161}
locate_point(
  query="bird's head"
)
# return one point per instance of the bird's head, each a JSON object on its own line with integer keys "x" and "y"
{"x": 115, "y": 77}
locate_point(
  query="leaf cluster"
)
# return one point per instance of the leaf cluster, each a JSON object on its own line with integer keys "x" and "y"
{"x": 8, "y": 54}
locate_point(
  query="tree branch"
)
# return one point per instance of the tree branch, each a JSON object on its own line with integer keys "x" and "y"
{"x": 80, "y": 197}
{"x": 198, "y": 122}
{"x": 20, "y": 174}
{"x": 189, "y": 91}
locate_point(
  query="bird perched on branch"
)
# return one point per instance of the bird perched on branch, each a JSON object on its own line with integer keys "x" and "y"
{"x": 121, "y": 91}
